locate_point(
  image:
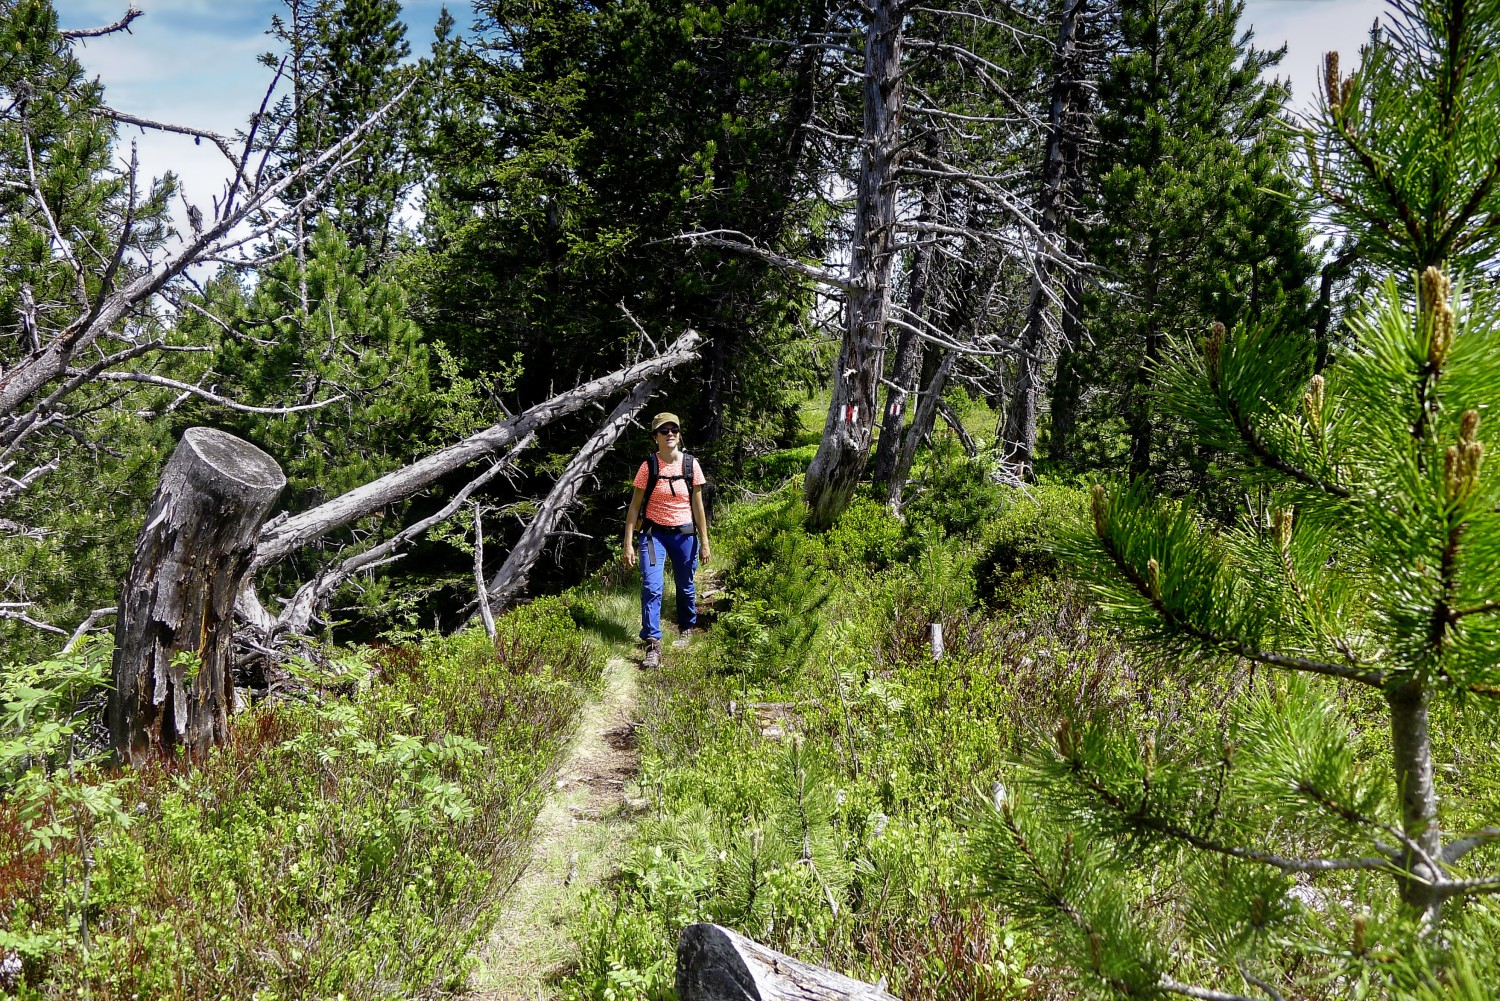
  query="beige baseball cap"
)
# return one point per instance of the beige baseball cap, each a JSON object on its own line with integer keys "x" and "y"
{"x": 661, "y": 419}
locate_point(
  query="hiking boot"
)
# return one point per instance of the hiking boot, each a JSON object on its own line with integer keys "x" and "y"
{"x": 653, "y": 654}
{"x": 685, "y": 636}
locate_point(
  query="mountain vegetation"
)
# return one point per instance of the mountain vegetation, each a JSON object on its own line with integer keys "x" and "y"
{"x": 1102, "y": 596}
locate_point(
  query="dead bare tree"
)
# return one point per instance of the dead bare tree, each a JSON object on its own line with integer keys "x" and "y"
{"x": 1063, "y": 139}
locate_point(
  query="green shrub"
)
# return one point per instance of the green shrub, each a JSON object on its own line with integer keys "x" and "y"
{"x": 338, "y": 846}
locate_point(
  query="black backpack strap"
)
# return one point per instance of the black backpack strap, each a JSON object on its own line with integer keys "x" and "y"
{"x": 687, "y": 472}
{"x": 653, "y": 473}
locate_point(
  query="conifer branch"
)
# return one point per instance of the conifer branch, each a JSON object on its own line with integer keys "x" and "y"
{"x": 1459, "y": 847}
{"x": 1145, "y": 821}
{"x": 1373, "y": 169}
{"x": 1269, "y": 457}
{"x": 1224, "y": 644}
{"x": 1202, "y": 993}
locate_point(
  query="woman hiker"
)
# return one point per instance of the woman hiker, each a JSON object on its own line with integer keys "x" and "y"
{"x": 675, "y": 528}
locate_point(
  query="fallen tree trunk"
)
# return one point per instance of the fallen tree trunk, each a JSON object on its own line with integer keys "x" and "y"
{"x": 716, "y": 964}
{"x": 283, "y": 536}
{"x": 174, "y": 655}
{"x": 511, "y": 577}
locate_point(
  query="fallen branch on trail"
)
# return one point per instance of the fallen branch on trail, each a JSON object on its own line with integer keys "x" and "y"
{"x": 511, "y": 577}
{"x": 716, "y": 964}
{"x": 283, "y": 536}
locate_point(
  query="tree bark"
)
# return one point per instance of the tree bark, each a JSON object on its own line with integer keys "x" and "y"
{"x": 907, "y": 370}
{"x": 921, "y": 426}
{"x": 282, "y": 537}
{"x": 1021, "y": 415}
{"x": 716, "y": 964}
{"x": 1411, "y": 744}
{"x": 173, "y": 662}
{"x": 849, "y": 429}
{"x": 511, "y": 577}
{"x": 1068, "y": 376}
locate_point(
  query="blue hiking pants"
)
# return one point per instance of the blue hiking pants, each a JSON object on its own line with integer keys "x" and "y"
{"x": 655, "y": 549}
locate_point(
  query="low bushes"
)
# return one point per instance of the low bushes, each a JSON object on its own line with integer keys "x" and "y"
{"x": 342, "y": 846}
{"x": 809, "y": 768}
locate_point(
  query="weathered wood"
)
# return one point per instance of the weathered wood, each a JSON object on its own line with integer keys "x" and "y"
{"x": 921, "y": 425}
{"x": 849, "y": 428}
{"x": 716, "y": 964}
{"x": 511, "y": 577}
{"x": 284, "y": 536}
{"x": 173, "y": 640}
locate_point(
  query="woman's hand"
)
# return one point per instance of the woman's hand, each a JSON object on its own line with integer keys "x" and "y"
{"x": 630, "y": 558}
{"x": 704, "y": 553}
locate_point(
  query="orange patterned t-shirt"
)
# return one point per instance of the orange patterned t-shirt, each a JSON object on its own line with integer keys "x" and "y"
{"x": 670, "y": 503}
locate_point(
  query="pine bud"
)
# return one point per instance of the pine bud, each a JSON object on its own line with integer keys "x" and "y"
{"x": 1153, "y": 579}
{"x": 1346, "y": 91}
{"x": 1230, "y": 747}
{"x": 1095, "y": 952}
{"x": 1149, "y": 756}
{"x": 1258, "y": 911}
{"x": 1331, "y": 79}
{"x": 1361, "y": 932}
{"x": 1312, "y": 402}
{"x": 1468, "y": 426}
{"x": 1283, "y": 527}
{"x": 1097, "y": 507}
{"x": 1066, "y": 744}
{"x": 1438, "y": 314}
{"x": 1213, "y": 347}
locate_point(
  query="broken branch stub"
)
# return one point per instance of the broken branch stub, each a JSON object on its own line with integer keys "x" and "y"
{"x": 173, "y": 649}
{"x": 716, "y": 964}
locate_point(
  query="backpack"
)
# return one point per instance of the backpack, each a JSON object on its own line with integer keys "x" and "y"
{"x": 653, "y": 475}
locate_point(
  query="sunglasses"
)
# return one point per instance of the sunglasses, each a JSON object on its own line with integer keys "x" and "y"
{"x": 668, "y": 429}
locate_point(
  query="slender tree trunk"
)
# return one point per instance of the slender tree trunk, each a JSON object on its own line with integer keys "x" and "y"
{"x": 1068, "y": 376}
{"x": 174, "y": 654}
{"x": 907, "y": 370}
{"x": 849, "y": 429}
{"x": 921, "y": 427}
{"x": 1138, "y": 416}
{"x": 1412, "y": 746}
{"x": 1021, "y": 414}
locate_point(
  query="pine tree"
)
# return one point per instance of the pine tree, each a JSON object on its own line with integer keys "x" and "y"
{"x": 1304, "y": 821}
{"x": 582, "y": 140}
{"x": 1195, "y": 212}
{"x": 344, "y": 61}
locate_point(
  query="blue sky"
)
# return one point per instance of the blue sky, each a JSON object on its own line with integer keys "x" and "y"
{"x": 193, "y": 62}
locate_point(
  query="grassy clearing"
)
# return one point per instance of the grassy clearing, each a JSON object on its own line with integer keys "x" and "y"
{"x": 355, "y": 844}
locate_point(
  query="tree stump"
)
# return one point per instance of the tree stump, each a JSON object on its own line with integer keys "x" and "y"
{"x": 173, "y": 638}
{"x": 716, "y": 964}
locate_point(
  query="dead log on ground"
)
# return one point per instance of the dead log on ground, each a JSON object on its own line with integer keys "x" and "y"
{"x": 173, "y": 642}
{"x": 716, "y": 964}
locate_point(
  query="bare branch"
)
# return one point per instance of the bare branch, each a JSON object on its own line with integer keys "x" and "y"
{"x": 84, "y": 627}
{"x": 223, "y": 401}
{"x": 123, "y": 24}
{"x": 281, "y": 537}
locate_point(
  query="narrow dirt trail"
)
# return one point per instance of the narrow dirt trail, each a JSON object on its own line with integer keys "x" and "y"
{"x": 579, "y": 832}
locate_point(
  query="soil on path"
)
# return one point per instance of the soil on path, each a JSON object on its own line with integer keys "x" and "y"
{"x": 578, "y": 835}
